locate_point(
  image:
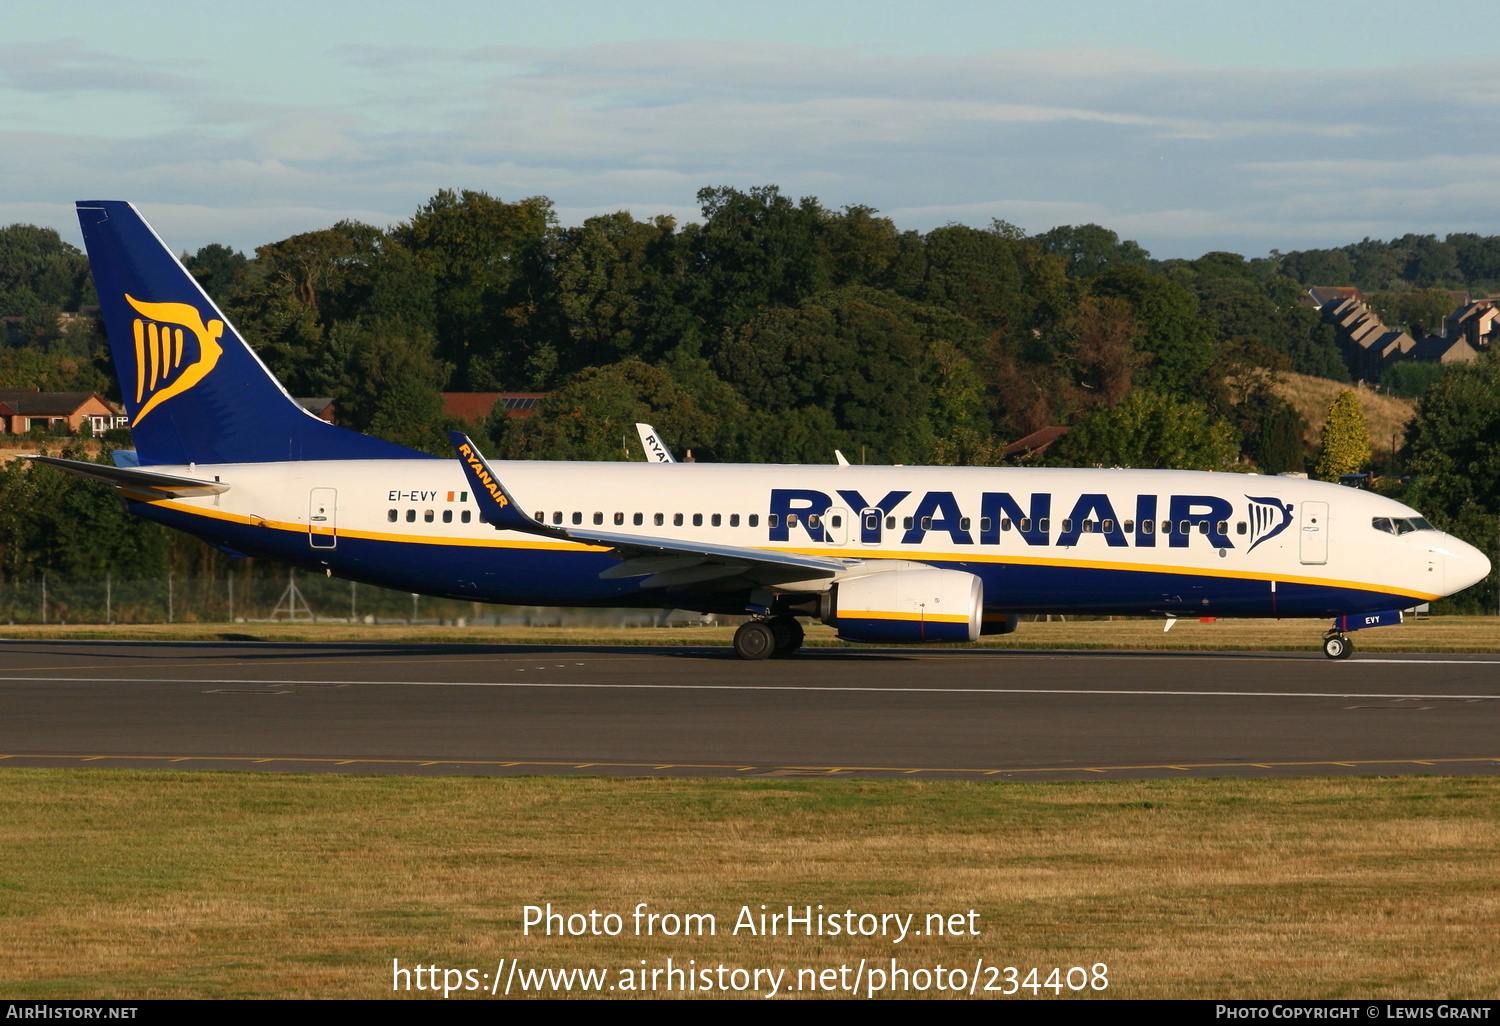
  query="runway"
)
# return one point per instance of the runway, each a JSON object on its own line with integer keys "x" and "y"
{"x": 494, "y": 710}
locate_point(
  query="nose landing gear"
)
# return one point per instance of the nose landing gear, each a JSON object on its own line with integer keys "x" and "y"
{"x": 1337, "y": 646}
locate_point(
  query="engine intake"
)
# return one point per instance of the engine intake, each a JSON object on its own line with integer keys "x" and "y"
{"x": 908, "y": 606}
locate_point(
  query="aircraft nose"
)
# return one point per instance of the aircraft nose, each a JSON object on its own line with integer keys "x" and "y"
{"x": 1464, "y": 565}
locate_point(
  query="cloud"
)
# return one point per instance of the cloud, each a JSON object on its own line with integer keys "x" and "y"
{"x": 1184, "y": 157}
{"x": 68, "y": 65}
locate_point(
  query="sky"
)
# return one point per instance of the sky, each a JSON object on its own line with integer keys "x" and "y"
{"x": 1190, "y": 127}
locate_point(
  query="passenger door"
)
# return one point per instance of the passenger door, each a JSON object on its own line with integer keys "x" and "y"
{"x": 1314, "y": 533}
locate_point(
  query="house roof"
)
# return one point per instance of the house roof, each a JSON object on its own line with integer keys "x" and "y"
{"x": 316, "y": 405}
{"x": 476, "y": 406}
{"x": 1436, "y": 349}
{"x": 1324, "y": 294}
{"x": 33, "y": 403}
{"x": 1035, "y": 443}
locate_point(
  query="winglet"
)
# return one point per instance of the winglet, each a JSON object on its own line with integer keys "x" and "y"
{"x": 496, "y": 505}
{"x": 656, "y": 452}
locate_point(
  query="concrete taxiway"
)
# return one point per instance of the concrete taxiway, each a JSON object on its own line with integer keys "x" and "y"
{"x": 479, "y": 709}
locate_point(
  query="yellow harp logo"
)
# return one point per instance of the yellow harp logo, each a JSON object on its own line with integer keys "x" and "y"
{"x": 159, "y": 351}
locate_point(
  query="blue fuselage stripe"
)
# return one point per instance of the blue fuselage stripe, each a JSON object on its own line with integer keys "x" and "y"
{"x": 561, "y": 577}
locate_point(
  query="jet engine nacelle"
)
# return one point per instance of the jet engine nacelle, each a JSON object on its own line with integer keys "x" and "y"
{"x": 908, "y": 606}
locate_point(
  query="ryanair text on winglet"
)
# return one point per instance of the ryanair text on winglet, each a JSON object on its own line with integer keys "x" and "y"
{"x": 482, "y": 475}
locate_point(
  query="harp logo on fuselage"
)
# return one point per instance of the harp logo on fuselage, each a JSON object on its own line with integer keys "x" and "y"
{"x": 174, "y": 350}
{"x": 1269, "y": 516}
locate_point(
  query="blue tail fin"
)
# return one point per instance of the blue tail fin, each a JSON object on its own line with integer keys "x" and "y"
{"x": 195, "y": 392}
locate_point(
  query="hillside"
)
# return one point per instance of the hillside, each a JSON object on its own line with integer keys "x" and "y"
{"x": 1386, "y": 415}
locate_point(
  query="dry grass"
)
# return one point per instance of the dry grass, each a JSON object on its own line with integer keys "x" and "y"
{"x": 164, "y": 884}
{"x": 1435, "y": 634}
{"x": 1387, "y": 416}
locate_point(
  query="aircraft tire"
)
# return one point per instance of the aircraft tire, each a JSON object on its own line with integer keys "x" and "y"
{"x": 755, "y": 640}
{"x": 789, "y": 635}
{"x": 1338, "y": 647}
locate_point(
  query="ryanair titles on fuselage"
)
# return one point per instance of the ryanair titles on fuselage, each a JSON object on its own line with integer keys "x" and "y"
{"x": 1031, "y": 516}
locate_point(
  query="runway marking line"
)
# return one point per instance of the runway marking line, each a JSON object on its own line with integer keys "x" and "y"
{"x": 853, "y": 689}
{"x": 1135, "y": 656}
{"x": 825, "y": 770}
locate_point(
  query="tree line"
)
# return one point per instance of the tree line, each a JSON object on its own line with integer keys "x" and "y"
{"x": 771, "y": 329}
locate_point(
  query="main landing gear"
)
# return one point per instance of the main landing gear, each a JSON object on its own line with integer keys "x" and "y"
{"x": 1337, "y": 646}
{"x": 776, "y": 637}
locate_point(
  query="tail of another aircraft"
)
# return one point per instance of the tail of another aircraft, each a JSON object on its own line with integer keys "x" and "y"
{"x": 195, "y": 392}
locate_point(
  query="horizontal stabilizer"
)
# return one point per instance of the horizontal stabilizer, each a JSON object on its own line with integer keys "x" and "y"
{"x": 144, "y": 482}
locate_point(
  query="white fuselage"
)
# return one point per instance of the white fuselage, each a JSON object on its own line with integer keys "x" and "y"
{"x": 1125, "y": 541}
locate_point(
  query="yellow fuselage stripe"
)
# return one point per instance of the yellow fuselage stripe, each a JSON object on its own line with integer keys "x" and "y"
{"x": 877, "y": 554}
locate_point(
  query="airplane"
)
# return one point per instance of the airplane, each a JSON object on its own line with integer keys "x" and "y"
{"x": 652, "y": 445}
{"x": 885, "y": 554}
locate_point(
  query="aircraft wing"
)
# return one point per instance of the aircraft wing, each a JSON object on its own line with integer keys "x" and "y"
{"x": 663, "y": 562}
{"x": 143, "y": 482}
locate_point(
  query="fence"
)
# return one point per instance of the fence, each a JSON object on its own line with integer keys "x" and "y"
{"x": 292, "y": 597}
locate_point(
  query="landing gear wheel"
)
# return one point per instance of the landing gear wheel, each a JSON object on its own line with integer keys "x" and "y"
{"x": 755, "y": 640}
{"x": 1338, "y": 647}
{"x": 789, "y": 635}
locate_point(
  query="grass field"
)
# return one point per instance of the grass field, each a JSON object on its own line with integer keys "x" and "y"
{"x": 139, "y": 884}
{"x": 142, "y": 884}
{"x": 1434, "y": 634}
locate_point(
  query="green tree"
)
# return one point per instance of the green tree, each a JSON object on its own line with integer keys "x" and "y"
{"x": 1453, "y": 443}
{"x": 1410, "y": 380}
{"x": 594, "y": 417}
{"x": 1148, "y": 430}
{"x": 1175, "y": 334}
{"x": 1453, "y": 448}
{"x": 1089, "y": 249}
{"x": 39, "y": 269}
{"x": 755, "y": 250}
{"x": 1346, "y": 439}
{"x": 1273, "y": 430}
{"x": 621, "y": 289}
{"x": 896, "y": 375}
{"x": 393, "y": 388}
{"x": 219, "y": 269}
{"x": 488, "y": 261}
{"x": 1420, "y": 312}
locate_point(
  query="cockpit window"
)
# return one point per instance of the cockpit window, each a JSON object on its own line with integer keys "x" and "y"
{"x": 1400, "y": 525}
